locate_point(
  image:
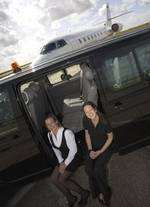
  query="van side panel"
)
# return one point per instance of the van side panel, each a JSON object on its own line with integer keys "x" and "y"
{"x": 19, "y": 152}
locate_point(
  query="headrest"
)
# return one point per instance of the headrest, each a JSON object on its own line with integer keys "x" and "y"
{"x": 88, "y": 75}
{"x": 87, "y": 72}
{"x": 31, "y": 92}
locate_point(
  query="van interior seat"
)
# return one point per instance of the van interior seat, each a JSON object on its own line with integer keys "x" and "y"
{"x": 72, "y": 110}
{"x": 66, "y": 101}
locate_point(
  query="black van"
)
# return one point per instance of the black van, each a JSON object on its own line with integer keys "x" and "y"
{"x": 121, "y": 70}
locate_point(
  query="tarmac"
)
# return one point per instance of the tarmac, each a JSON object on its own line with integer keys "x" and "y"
{"x": 129, "y": 177}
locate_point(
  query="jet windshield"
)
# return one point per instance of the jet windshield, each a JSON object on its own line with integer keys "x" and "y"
{"x": 52, "y": 46}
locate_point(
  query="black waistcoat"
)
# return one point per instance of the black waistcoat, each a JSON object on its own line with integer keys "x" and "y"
{"x": 63, "y": 147}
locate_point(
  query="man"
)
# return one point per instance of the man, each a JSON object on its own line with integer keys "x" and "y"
{"x": 65, "y": 148}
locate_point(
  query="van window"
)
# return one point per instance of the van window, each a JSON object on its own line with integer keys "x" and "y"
{"x": 143, "y": 55}
{"x": 73, "y": 71}
{"x": 64, "y": 74}
{"x": 56, "y": 77}
{"x": 120, "y": 72}
{"x": 7, "y": 118}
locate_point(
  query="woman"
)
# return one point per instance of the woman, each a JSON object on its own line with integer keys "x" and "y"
{"x": 99, "y": 138}
{"x": 65, "y": 148}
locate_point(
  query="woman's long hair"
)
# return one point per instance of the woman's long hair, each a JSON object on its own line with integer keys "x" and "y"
{"x": 90, "y": 103}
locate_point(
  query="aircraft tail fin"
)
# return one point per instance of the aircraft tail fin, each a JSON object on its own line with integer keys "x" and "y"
{"x": 108, "y": 16}
{"x": 108, "y": 22}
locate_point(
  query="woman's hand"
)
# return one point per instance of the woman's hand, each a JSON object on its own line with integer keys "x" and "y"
{"x": 62, "y": 167}
{"x": 94, "y": 154}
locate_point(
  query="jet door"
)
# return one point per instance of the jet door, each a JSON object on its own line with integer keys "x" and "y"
{"x": 123, "y": 92}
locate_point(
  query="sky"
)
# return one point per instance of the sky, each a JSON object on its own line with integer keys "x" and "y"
{"x": 25, "y": 25}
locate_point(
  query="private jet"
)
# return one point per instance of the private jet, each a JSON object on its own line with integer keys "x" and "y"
{"x": 77, "y": 41}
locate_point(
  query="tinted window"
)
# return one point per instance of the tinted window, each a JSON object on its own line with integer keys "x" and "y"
{"x": 6, "y": 110}
{"x": 143, "y": 55}
{"x": 120, "y": 72}
{"x": 16, "y": 142}
{"x": 48, "y": 48}
{"x": 64, "y": 74}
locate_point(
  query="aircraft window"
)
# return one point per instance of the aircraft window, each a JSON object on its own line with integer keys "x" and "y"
{"x": 120, "y": 72}
{"x": 7, "y": 117}
{"x": 92, "y": 37}
{"x": 73, "y": 71}
{"x": 143, "y": 55}
{"x": 61, "y": 43}
{"x": 48, "y": 48}
{"x": 80, "y": 41}
{"x": 56, "y": 77}
{"x": 84, "y": 39}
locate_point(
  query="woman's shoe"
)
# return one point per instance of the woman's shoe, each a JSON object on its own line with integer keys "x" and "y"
{"x": 72, "y": 203}
{"x": 104, "y": 203}
{"x": 101, "y": 199}
{"x": 84, "y": 198}
{"x": 107, "y": 197}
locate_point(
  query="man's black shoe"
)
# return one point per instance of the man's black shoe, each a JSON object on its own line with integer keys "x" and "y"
{"x": 72, "y": 203}
{"x": 84, "y": 198}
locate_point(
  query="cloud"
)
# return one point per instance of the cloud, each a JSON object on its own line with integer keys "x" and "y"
{"x": 144, "y": 1}
{"x": 4, "y": 4}
{"x": 9, "y": 51}
{"x": 81, "y": 5}
{"x": 57, "y": 10}
{"x": 127, "y": 4}
{"x": 7, "y": 40}
{"x": 3, "y": 17}
{"x": 26, "y": 25}
{"x": 102, "y": 10}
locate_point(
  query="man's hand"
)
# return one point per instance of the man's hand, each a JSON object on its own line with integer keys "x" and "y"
{"x": 94, "y": 154}
{"x": 62, "y": 167}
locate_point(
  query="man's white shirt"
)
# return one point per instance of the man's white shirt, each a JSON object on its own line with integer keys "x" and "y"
{"x": 70, "y": 141}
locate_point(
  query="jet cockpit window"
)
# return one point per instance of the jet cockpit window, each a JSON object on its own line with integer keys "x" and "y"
{"x": 48, "y": 48}
{"x": 61, "y": 43}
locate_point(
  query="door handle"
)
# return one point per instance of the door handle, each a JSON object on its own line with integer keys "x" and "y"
{"x": 118, "y": 105}
{"x": 16, "y": 136}
{"x": 5, "y": 149}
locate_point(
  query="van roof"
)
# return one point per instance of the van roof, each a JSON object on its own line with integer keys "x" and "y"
{"x": 97, "y": 44}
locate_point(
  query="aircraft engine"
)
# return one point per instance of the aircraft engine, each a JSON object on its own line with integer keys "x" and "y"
{"x": 116, "y": 27}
